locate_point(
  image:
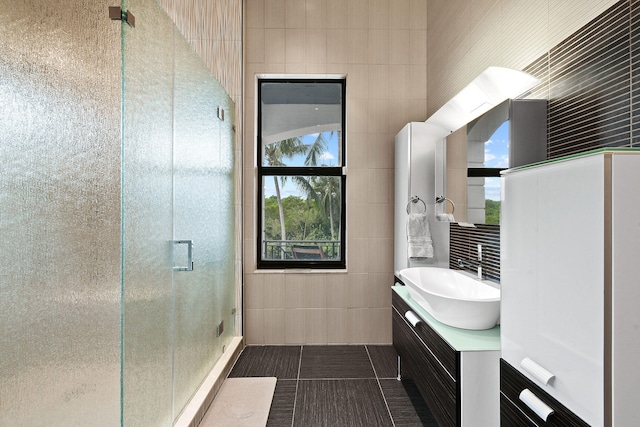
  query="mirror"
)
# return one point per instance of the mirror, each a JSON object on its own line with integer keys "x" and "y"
{"x": 487, "y": 155}
{"x": 511, "y": 134}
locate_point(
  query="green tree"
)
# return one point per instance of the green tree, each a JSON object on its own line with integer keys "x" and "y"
{"x": 275, "y": 154}
{"x": 327, "y": 189}
{"x": 492, "y": 212}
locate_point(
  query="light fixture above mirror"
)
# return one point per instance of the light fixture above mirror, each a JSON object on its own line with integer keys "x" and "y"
{"x": 490, "y": 88}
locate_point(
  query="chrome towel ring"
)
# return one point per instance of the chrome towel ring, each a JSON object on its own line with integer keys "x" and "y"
{"x": 416, "y": 199}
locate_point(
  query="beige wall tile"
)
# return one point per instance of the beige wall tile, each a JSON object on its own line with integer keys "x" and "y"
{"x": 357, "y": 41}
{"x": 379, "y": 14}
{"x": 254, "y": 291}
{"x": 357, "y": 256}
{"x": 294, "y": 288}
{"x": 381, "y": 146}
{"x": 378, "y": 78}
{"x": 399, "y": 46}
{"x": 255, "y": 44}
{"x": 358, "y": 325}
{"x": 380, "y": 255}
{"x": 295, "y": 43}
{"x": 295, "y": 327}
{"x": 418, "y": 47}
{"x": 357, "y": 115}
{"x": 378, "y": 47}
{"x": 338, "y": 326}
{"x": 337, "y": 291}
{"x": 357, "y": 14}
{"x": 357, "y": 290}
{"x": 381, "y": 186}
{"x": 274, "y": 290}
{"x": 316, "y": 46}
{"x": 359, "y": 220}
{"x": 379, "y": 290}
{"x": 380, "y": 326}
{"x": 295, "y": 14}
{"x": 316, "y": 13}
{"x": 336, "y": 46}
{"x": 254, "y": 327}
{"x": 274, "y": 42}
{"x": 381, "y": 221}
{"x": 378, "y": 116}
{"x": 358, "y": 152}
{"x": 254, "y": 13}
{"x": 274, "y": 12}
{"x": 336, "y": 14}
{"x": 315, "y": 326}
{"x": 315, "y": 291}
{"x": 274, "y": 326}
{"x": 399, "y": 14}
{"x": 357, "y": 82}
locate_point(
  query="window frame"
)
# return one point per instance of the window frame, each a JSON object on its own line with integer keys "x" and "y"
{"x": 290, "y": 171}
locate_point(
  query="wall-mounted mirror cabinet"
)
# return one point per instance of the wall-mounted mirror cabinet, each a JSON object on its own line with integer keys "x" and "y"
{"x": 512, "y": 134}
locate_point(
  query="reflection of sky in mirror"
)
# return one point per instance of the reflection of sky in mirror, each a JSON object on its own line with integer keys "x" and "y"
{"x": 496, "y": 155}
{"x": 329, "y": 158}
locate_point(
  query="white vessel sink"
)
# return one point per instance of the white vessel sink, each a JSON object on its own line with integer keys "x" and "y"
{"x": 453, "y": 297}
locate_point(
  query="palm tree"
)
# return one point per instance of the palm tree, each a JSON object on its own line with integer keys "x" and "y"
{"x": 328, "y": 190}
{"x": 275, "y": 154}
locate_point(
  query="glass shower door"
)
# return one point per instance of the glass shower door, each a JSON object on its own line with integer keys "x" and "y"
{"x": 178, "y": 216}
{"x": 147, "y": 217}
{"x": 196, "y": 155}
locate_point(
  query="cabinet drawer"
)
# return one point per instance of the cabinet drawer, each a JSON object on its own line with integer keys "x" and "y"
{"x": 512, "y": 383}
{"x": 511, "y": 416}
{"x": 437, "y": 387}
{"x": 438, "y": 346}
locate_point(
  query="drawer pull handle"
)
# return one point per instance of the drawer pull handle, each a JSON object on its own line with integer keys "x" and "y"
{"x": 537, "y": 371}
{"x": 535, "y": 404}
{"x": 412, "y": 318}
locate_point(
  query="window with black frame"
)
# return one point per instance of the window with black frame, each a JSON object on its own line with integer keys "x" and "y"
{"x": 301, "y": 173}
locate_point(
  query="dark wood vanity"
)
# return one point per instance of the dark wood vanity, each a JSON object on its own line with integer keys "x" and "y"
{"x": 456, "y": 370}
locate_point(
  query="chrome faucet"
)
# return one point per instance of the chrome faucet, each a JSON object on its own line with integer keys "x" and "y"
{"x": 473, "y": 263}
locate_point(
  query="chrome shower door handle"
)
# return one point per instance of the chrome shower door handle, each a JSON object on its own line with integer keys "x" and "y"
{"x": 189, "y": 266}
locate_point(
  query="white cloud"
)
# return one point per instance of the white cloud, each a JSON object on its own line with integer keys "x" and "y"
{"x": 326, "y": 156}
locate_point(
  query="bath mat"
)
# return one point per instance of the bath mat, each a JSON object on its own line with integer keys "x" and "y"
{"x": 241, "y": 402}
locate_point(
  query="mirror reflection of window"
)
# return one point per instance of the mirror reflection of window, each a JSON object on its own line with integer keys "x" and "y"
{"x": 487, "y": 155}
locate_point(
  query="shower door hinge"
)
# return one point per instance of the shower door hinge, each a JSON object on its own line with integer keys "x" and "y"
{"x": 117, "y": 14}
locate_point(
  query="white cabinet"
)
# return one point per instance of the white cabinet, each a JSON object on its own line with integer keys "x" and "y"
{"x": 570, "y": 239}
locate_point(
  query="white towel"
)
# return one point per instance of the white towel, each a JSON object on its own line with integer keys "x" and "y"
{"x": 419, "y": 243}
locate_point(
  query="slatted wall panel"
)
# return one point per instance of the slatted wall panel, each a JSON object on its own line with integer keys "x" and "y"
{"x": 592, "y": 82}
{"x": 635, "y": 73}
{"x": 589, "y": 81}
{"x": 464, "y": 243}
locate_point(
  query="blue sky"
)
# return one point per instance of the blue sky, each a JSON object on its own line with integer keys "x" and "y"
{"x": 496, "y": 155}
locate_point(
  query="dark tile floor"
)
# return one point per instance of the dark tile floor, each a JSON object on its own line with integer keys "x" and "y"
{"x": 335, "y": 386}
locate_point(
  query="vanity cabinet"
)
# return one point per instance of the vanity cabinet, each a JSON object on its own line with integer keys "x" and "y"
{"x": 570, "y": 237}
{"x": 456, "y": 370}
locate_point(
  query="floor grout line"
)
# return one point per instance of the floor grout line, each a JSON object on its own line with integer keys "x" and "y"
{"x": 295, "y": 397}
{"x": 384, "y": 398}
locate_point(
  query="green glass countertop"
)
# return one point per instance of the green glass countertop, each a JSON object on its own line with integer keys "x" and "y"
{"x": 459, "y": 339}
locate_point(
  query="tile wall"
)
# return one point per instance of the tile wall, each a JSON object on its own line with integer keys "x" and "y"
{"x": 381, "y": 46}
{"x": 466, "y": 37}
{"x": 588, "y": 79}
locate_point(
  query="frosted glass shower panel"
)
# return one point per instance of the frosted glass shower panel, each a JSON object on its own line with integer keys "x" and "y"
{"x": 201, "y": 179}
{"x": 59, "y": 214}
{"x": 147, "y": 217}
